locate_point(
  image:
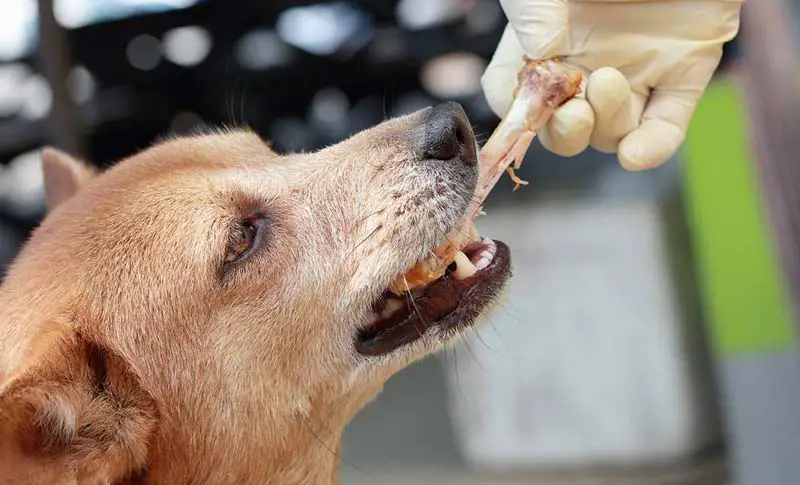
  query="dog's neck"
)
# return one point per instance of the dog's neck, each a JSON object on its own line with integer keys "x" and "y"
{"x": 300, "y": 447}
{"x": 309, "y": 454}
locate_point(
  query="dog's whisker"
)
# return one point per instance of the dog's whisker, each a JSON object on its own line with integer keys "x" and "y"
{"x": 477, "y": 334}
{"x": 458, "y": 378}
{"x": 446, "y": 236}
{"x": 231, "y": 103}
{"x": 447, "y": 270}
{"x": 413, "y": 304}
{"x": 439, "y": 261}
{"x": 242, "y": 104}
{"x": 333, "y": 452}
{"x": 474, "y": 355}
{"x": 494, "y": 330}
{"x": 374, "y": 231}
{"x": 385, "y": 108}
{"x": 508, "y": 311}
{"x": 362, "y": 220}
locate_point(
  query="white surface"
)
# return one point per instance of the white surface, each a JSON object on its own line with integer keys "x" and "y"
{"x": 586, "y": 361}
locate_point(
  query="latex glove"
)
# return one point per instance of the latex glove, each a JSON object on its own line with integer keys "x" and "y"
{"x": 645, "y": 65}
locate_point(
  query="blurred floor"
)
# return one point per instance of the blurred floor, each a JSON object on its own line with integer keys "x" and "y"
{"x": 405, "y": 438}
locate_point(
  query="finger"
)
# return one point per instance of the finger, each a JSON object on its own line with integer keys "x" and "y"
{"x": 661, "y": 132}
{"x": 541, "y": 25}
{"x": 610, "y": 96}
{"x": 667, "y": 115}
{"x": 500, "y": 78}
{"x": 568, "y": 131}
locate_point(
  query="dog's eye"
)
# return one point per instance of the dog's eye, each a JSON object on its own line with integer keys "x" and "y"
{"x": 244, "y": 238}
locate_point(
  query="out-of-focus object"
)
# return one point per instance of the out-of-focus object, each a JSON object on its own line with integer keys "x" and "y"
{"x": 13, "y": 79}
{"x": 74, "y": 14}
{"x": 596, "y": 355}
{"x": 81, "y": 84}
{"x": 646, "y": 64}
{"x": 50, "y": 95}
{"x": 771, "y": 70}
{"x": 453, "y": 75}
{"x": 17, "y": 29}
{"x": 743, "y": 185}
{"x": 425, "y": 14}
{"x": 262, "y": 49}
{"x": 144, "y": 52}
{"x": 188, "y": 45}
{"x": 22, "y": 185}
{"x": 325, "y": 29}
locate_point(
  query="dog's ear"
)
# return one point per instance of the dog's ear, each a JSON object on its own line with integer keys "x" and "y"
{"x": 63, "y": 176}
{"x": 77, "y": 414}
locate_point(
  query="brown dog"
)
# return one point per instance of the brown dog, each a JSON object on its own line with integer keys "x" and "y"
{"x": 208, "y": 311}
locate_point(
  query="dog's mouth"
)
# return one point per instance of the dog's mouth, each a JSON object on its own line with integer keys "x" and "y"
{"x": 451, "y": 302}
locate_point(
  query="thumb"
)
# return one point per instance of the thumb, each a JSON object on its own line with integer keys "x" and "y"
{"x": 541, "y": 26}
{"x": 500, "y": 78}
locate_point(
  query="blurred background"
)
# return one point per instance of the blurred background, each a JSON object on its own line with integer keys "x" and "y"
{"x": 649, "y": 333}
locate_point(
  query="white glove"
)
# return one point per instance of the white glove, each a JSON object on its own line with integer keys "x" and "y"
{"x": 645, "y": 65}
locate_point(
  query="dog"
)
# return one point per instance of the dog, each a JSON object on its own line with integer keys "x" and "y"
{"x": 209, "y": 311}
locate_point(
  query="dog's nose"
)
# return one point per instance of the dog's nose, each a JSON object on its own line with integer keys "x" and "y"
{"x": 447, "y": 134}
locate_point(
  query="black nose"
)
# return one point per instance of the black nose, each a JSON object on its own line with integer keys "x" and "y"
{"x": 447, "y": 134}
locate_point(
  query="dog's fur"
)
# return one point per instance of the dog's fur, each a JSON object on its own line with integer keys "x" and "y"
{"x": 131, "y": 352}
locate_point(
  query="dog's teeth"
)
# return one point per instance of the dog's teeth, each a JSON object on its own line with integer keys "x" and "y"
{"x": 490, "y": 250}
{"x": 426, "y": 265}
{"x": 464, "y": 267}
{"x": 486, "y": 256}
{"x": 392, "y": 306}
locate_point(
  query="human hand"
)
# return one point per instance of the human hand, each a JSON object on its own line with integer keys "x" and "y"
{"x": 645, "y": 65}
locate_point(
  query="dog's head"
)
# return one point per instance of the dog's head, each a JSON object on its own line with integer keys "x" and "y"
{"x": 210, "y": 299}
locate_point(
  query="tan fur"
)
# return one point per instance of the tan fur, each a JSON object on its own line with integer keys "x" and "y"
{"x": 128, "y": 356}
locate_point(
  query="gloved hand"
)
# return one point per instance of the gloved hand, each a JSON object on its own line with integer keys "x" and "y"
{"x": 645, "y": 65}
